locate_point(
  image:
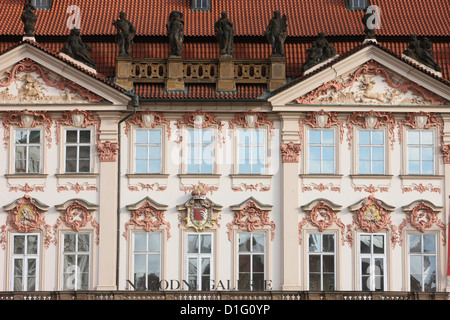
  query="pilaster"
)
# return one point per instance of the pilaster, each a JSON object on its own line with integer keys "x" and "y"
{"x": 226, "y": 80}
{"x": 174, "y": 80}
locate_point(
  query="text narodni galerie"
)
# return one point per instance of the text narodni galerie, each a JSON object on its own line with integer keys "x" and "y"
{"x": 228, "y": 309}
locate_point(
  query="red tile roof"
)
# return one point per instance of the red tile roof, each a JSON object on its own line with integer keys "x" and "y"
{"x": 250, "y": 17}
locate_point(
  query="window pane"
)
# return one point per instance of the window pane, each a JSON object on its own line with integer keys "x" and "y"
{"x": 205, "y": 244}
{"x": 413, "y": 137}
{"x": 377, "y": 153}
{"x": 35, "y": 136}
{"x": 365, "y": 244}
{"x": 414, "y": 153}
{"x": 314, "y": 136}
{"x": 328, "y": 136}
{"x": 85, "y": 152}
{"x": 71, "y": 152}
{"x": 140, "y": 242}
{"x": 378, "y": 244}
{"x": 192, "y": 243}
{"x": 141, "y": 136}
{"x": 21, "y": 136}
{"x": 328, "y": 282}
{"x": 415, "y": 243}
{"x": 32, "y": 244}
{"x": 415, "y": 264}
{"x": 141, "y": 152}
{"x": 69, "y": 242}
{"x": 328, "y": 243}
{"x": 429, "y": 244}
{"x": 314, "y": 282}
{"x": 83, "y": 242}
{"x": 427, "y": 137}
{"x": 314, "y": 242}
{"x": 377, "y": 137}
{"x": 314, "y": 263}
{"x": 364, "y": 153}
{"x": 328, "y": 153}
{"x": 154, "y": 242}
{"x": 414, "y": 167}
{"x": 314, "y": 153}
{"x": 364, "y": 137}
{"x": 71, "y": 136}
{"x": 244, "y": 242}
{"x": 415, "y": 282}
{"x": 328, "y": 263}
{"x": 85, "y": 136}
{"x": 258, "y": 242}
{"x": 258, "y": 263}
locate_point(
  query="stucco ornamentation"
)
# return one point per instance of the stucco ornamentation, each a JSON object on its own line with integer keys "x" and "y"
{"x": 78, "y": 118}
{"x": 107, "y": 151}
{"x": 290, "y": 152}
{"x": 148, "y": 119}
{"x": 322, "y": 119}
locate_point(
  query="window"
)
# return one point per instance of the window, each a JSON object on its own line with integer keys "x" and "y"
{"x": 321, "y": 151}
{"x": 321, "y": 262}
{"x": 422, "y": 262}
{"x": 371, "y": 152}
{"x": 147, "y": 260}
{"x": 76, "y": 261}
{"x": 42, "y": 4}
{"x": 251, "y": 261}
{"x": 357, "y": 4}
{"x": 372, "y": 262}
{"x": 420, "y": 150}
{"x": 251, "y": 151}
{"x": 200, "y": 4}
{"x": 25, "y": 262}
{"x": 27, "y": 147}
{"x": 148, "y": 151}
{"x": 199, "y": 260}
{"x": 78, "y": 151}
{"x": 200, "y": 150}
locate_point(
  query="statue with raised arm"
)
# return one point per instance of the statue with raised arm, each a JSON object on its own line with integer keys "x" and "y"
{"x": 224, "y": 31}
{"x": 175, "y": 30}
{"x": 421, "y": 52}
{"x": 29, "y": 19}
{"x": 320, "y": 51}
{"x": 76, "y": 49}
{"x": 125, "y": 34}
{"x": 276, "y": 33}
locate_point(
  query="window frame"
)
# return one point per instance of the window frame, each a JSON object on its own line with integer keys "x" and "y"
{"x": 147, "y": 253}
{"x": 76, "y": 253}
{"x": 40, "y": 6}
{"x": 205, "y": 5}
{"x": 435, "y": 164}
{"x": 78, "y": 144}
{"x": 422, "y": 255}
{"x": 200, "y": 256}
{"x": 265, "y": 145}
{"x": 148, "y": 144}
{"x": 372, "y": 256}
{"x": 335, "y": 145}
{"x": 251, "y": 253}
{"x": 27, "y": 145}
{"x": 186, "y": 153}
{"x": 386, "y": 167}
{"x": 25, "y": 256}
{"x": 321, "y": 254}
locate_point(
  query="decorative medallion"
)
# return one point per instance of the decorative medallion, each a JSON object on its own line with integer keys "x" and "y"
{"x": 148, "y": 119}
{"x": 147, "y": 215}
{"x": 26, "y": 215}
{"x": 250, "y": 216}
{"x": 290, "y": 152}
{"x": 322, "y": 119}
{"x": 200, "y": 120}
{"x": 200, "y": 212}
{"x": 420, "y": 120}
{"x": 251, "y": 119}
{"x": 78, "y": 118}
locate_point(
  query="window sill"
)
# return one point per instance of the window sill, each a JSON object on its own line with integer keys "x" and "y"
{"x": 77, "y": 181}
{"x": 251, "y": 182}
{"x": 26, "y": 181}
{"x": 371, "y": 183}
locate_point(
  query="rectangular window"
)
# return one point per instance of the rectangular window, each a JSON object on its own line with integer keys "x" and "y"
{"x": 422, "y": 262}
{"x": 420, "y": 151}
{"x": 321, "y": 262}
{"x": 371, "y": 152}
{"x": 199, "y": 260}
{"x": 251, "y": 151}
{"x": 76, "y": 261}
{"x": 251, "y": 261}
{"x": 78, "y": 151}
{"x": 27, "y": 151}
{"x": 201, "y": 4}
{"x": 372, "y": 262}
{"x": 200, "y": 150}
{"x": 321, "y": 151}
{"x": 148, "y": 151}
{"x": 25, "y": 262}
{"x": 147, "y": 260}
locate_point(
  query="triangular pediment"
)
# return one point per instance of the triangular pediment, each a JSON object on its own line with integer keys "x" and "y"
{"x": 31, "y": 76}
{"x": 369, "y": 77}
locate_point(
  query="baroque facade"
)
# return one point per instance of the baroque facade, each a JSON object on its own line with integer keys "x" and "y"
{"x": 197, "y": 152}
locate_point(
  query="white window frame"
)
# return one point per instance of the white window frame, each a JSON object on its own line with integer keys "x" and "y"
{"x": 148, "y": 145}
{"x": 420, "y": 146}
{"x": 74, "y": 275}
{"x": 146, "y": 253}
{"x": 321, "y": 145}
{"x": 251, "y": 145}
{"x": 322, "y": 254}
{"x": 27, "y": 145}
{"x": 25, "y": 257}
{"x": 372, "y": 256}
{"x": 41, "y": 4}
{"x": 202, "y": 145}
{"x": 200, "y": 256}
{"x": 371, "y": 146}
{"x": 203, "y": 5}
{"x": 422, "y": 255}
{"x": 78, "y": 144}
{"x": 251, "y": 253}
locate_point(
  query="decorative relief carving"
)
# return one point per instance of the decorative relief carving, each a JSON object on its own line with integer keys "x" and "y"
{"x": 76, "y": 214}
{"x": 200, "y": 120}
{"x": 420, "y": 120}
{"x": 26, "y": 215}
{"x": 78, "y": 118}
{"x": 26, "y": 188}
{"x": 359, "y": 88}
{"x": 290, "y": 152}
{"x": 321, "y": 214}
{"x": 204, "y": 187}
{"x": 31, "y": 81}
{"x": 107, "y": 151}
{"x": 77, "y": 187}
{"x": 199, "y": 212}
{"x": 148, "y": 119}
{"x": 251, "y": 119}
{"x": 373, "y": 215}
{"x": 27, "y": 119}
{"x": 421, "y": 188}
{"x": 322, "y": 119}
{"x": 371, "y": 120}
{"x": 147, "y": 187}
{"x": 251, "y": 216}
{"x": 147, "y": 215}
{"x": 251, "y": 187}
{"x": 422, "y": 215}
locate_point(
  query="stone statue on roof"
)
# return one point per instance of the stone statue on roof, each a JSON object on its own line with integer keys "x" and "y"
{"x": 29, "y": 19}
{"x": 76, "y": 49}
{"x": 276, "y": 33}
{"x": 125, "y": 34}
{"x": 175, "y": 28}
{"x": 421, "y": 52}
{"x": 320, "y": 51}
{"x": 224, "y": 31}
